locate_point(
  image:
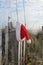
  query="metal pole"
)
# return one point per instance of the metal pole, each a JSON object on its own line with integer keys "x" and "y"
{"x": 0, "y": 46}
{"x": 25, "y": 25}
{"x": 24, "y": 52}
{"x": 17, "y": 10}
{"x": 24, "y": 13}
{"x": 6, "y": 45}
{"x": 19, "y": 53}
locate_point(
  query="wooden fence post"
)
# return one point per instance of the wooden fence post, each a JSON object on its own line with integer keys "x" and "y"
{"x": 6, "y": 45}
{"x": 12, "y": 41}
{"x": 0, "y": 46}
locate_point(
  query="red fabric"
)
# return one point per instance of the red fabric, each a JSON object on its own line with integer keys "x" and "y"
{"x": 24, "y": 32}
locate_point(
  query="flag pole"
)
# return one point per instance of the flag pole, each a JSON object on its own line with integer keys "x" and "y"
{"x": 25, "y": 25}
{"x": 24, "y": 13}
{"x": 17, "y": 10}
{"x": 19, "y": 53}
{"x": 24, "y": 51}
{"x": 19, "y": 41}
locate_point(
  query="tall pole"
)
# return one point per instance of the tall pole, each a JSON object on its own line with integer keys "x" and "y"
{"x": 25, "y": 25}
{"x": 24, "y": 51}
{"x": 19, "y": 53}
{"x": 17, "y": 10}
{"x": 19, "y": 41}
{"x": 24, "y": 12}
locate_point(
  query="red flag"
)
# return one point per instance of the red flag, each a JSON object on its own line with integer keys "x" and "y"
{"x": 22, "y": 32}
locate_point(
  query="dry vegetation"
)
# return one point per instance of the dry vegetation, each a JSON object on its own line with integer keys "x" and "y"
{"x": 34, "y": 52}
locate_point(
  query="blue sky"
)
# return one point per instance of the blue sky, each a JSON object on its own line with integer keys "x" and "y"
{"x": 33, "y": 12}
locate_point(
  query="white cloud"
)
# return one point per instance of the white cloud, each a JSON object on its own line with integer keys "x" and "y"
{"x": 33, "y": 12}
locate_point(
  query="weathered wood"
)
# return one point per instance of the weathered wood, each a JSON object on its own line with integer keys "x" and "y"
{"x": 6, "y": 45}
{"x": 17, "y": 52}
{"x": 14, "y": 45}
{"x": 0, "y": 46}
{"x": 15, "y": 49}
{"x": 12, "y": 42}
